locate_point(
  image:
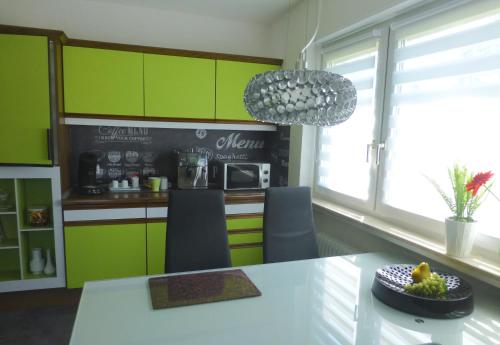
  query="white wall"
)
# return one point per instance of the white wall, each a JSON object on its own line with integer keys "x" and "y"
{"x": 111, "y": 22}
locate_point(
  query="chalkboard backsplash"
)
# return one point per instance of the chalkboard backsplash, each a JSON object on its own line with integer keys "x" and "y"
{"x": 124, "y": 151}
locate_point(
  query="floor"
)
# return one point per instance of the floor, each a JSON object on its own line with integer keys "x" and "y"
{"x": 40, "y": 317}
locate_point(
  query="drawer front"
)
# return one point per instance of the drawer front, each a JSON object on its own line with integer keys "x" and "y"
{"x": 247, "y": 256}
{"x": 97, "y": 252}
{"x": 244, "y": 223}
{"x": 245, "y": 238}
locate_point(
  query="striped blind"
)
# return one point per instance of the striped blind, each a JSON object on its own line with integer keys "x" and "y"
{"x": 444, "y": 105}
{"x": 341, "y": 164}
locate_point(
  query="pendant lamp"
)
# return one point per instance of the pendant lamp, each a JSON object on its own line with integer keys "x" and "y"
{"x": 301, "y": 96}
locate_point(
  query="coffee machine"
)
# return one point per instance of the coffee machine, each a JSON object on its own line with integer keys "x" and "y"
{"x": 87, "y": 166}
{"x": 192, "y": 170}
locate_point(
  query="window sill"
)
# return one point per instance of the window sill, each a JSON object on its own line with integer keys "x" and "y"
{"x": 479, "y": 268}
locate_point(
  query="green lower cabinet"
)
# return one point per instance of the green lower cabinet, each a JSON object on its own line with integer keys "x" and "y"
{"x": 156, "y": 241}
{"x": 247, "y": 256}
{"x": 245, "y": 238}
{"x": 244, "y": 223}
{"x": 97, "y": 252}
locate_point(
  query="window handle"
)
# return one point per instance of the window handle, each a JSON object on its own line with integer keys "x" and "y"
{"x": 380, "y": 147}
{"x": 369, "y": 147}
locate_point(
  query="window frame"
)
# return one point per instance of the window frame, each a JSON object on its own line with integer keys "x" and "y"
{"x": 382, "y": 34}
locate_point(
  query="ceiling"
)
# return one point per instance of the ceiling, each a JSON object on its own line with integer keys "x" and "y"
{"x": 255, "y": 11}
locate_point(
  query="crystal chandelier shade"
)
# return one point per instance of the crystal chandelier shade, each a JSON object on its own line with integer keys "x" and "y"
{"x": 301, "y": 96}
{"x": 308, "y": 97}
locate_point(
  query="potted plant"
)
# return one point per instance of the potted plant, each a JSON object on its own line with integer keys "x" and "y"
{"x": 468, "y": 192}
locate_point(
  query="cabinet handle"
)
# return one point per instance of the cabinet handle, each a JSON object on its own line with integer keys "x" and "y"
{"x": 50, "y": 154}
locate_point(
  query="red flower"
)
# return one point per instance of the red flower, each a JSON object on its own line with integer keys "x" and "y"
{"x": 478, "y": 181}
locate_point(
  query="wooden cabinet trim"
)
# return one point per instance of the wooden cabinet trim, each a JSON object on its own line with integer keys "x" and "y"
{"x": 246, "y": 245}
{"x": 106, "y": 222}
{"x": 172, "y": 52}
{"x": 77, "y": 202}
{"x": 244, "y": 215}
{"x": 244, "y": 231}
{"x": 23, "y": 30}
{"x": 156, "y": 220}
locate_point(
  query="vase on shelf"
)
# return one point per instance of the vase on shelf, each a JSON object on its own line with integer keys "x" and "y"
{"x": 49, "y": 266}
{"x": 459, "y": 237}
{"x": 37, "y": 263}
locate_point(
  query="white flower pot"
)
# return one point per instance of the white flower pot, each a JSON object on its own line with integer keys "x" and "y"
{"x": 459, "y": 237}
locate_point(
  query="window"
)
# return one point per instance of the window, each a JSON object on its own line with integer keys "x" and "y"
{"x": 441, "y": 106}
{"x": 339, "y": 169}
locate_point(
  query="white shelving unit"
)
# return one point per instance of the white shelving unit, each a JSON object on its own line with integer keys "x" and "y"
{"x": 30, "y": 186}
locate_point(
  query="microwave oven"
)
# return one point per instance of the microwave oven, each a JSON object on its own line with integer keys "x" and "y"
{"x": 243, "y": 175}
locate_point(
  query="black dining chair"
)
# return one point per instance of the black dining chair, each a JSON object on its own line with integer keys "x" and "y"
{"x": 196, "y": 235}
{"x": 289, "y": 232}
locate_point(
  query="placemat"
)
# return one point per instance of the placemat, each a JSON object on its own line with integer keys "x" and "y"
{"x": 199, "y": 288}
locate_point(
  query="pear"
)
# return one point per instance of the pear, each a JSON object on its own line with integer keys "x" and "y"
{"x": 421, "y": 272}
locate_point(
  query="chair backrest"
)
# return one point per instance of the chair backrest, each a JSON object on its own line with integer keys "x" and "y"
{"x": 289, "y": 225}
{"x": 196, "y": 233}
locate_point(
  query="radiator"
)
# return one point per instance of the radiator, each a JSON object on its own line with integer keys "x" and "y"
{"x": 329, "y": 246}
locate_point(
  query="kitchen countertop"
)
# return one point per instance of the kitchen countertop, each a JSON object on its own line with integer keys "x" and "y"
{"x": 146, "y": 198}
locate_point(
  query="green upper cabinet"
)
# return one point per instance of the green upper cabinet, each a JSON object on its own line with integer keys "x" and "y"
{"x": 24, "y": 99}
{"x": 179, "y": 87}
{"x": 232, "y": 79}
{"x": 101, "y": 81}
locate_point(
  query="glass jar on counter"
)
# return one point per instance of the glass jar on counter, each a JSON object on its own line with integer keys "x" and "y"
{"x": 37, "y": 215}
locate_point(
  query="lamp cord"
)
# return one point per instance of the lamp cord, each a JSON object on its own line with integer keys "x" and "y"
{"x": 288, "y": 27}
{"x": 302, "y": 56}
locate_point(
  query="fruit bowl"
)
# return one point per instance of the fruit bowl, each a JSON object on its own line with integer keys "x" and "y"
{"x": 388, "y": 287}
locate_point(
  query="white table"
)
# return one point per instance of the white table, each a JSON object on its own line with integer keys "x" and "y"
{"x": 311, "y": 302}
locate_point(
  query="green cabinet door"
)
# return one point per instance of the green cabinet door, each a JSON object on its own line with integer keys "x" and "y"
{"x": 245, "y": 237}
{"x": 24, "y": 99}
{"x": 97, "y": 252}
{"x": 247, "y": 256}
{"x": 156, "y": 241}
{"x": 245, "y": 223}
{"x": 232, "y": 79}
{"x": 179, "y": 87}
{"x": 101, "y": 81}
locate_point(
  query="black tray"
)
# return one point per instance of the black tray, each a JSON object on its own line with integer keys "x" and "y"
{"x": 388, "y": 287}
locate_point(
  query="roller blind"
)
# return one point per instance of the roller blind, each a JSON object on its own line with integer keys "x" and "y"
{"x": 341, "y": 164}
{"x": 443, "y": 106}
